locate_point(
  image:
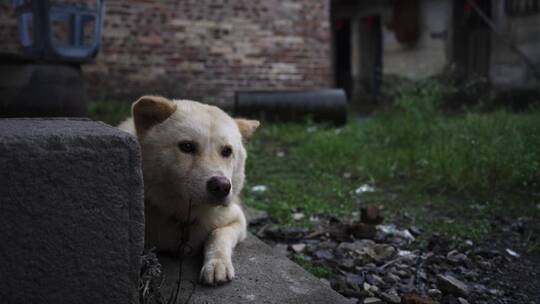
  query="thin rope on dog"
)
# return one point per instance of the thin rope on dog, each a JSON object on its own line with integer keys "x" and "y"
{"x": 182, "y": 250}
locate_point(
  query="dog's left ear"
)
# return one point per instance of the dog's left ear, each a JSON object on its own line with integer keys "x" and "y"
{"x": 247, "y": 127}
{"x": 151, "y": 110}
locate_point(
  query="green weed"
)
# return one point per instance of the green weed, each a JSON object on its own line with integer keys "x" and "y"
{"x": 417, "y": 158}
{"x": 320, "y": 271}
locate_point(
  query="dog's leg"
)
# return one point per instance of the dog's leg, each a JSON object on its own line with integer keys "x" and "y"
{"x": 218, "y": 250}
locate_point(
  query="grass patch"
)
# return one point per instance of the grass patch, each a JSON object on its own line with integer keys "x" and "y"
{"x": 110, "y": 112}
{"x": 450, "y": 174}
{"x": 320, "y": 271}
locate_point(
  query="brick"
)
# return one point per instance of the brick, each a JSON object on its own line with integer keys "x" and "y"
{"x": 244, "y": 39}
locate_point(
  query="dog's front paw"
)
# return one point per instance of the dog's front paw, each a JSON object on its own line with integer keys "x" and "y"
{"x": 217, "y": 271}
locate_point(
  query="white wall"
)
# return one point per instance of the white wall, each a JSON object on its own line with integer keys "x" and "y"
{"x": 429, "y": 56}
{"x": 507, "y": 68}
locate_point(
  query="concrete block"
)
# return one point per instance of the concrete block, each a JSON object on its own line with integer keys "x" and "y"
{"x": 261, "y": 277}
{"x": 71, "y": 212}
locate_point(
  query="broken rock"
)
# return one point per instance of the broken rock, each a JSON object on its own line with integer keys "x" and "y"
{"x": 360, "y": 245}
{"x": 364, "y": 188}
{"x": 383, "y": 252}
{"x": 390, "y": 298}
{"x": 363, "y": 231}
{"x": 298, "y": 248}
{"x": 449, "y": 284}
{"x": 456, "y": 257}
{"x": 512, "y": 253}
{"x": 416, "y": 299}
{"x": 255, "y": 216}
{"x": 391, "y": 230}
{"x": 373, "y": 300}
{"x": 323, "y": 254}
{"x": 462, "y": 301}
{"x": 435, "y": 293}
{"x": 347, "y": 264}
{"x": 371, "y": 215}
{"x": 298, "y": 216}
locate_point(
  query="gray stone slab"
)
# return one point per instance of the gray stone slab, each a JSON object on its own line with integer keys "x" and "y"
{"x": 71, "y": 212}
{"x": 261, "y": 277}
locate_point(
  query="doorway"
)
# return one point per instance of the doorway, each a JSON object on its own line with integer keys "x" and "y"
{"x": 471, "y": 43}
{"x": 341, "y": 30}
{"x": 357, "y": 50}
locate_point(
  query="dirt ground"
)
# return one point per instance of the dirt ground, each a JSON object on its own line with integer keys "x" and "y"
{"x": 519, "y": 278}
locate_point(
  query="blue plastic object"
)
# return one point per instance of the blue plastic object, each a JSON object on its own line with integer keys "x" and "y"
{"x": 40, "y": 23}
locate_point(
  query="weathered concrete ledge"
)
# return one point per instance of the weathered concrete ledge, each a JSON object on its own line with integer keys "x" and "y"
{"x": 261, "y": 277}
{"x": 72, "y": 222}
{"x": 71, "y": 212}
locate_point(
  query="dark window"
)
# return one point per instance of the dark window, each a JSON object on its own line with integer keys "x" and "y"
{"x": 521, "y": 7}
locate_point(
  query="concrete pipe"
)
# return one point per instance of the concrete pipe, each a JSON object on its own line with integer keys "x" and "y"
{"x": 320, "y": 105}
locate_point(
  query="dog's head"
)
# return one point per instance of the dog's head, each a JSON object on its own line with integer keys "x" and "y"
{"x": 191, "y": 151}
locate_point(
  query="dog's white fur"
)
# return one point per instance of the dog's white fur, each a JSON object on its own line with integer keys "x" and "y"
{"x": 174, "y": 180}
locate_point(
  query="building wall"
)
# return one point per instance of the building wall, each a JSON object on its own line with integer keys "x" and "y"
{"x": 428, "y": 56}
{"x": 508, "y": 69}
{"x": 208, "y": 49}
{"x": 9, "y": 37}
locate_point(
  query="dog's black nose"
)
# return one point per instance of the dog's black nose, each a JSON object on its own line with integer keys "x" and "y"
{"x": 218, "y": 186}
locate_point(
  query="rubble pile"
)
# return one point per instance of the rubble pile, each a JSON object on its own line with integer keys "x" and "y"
{"x": 375, "y": 263}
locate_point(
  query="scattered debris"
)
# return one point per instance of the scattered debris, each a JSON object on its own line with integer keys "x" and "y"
{"x": 151, "y": 279}
{"x": 435, "y": 293}
{"x": 314, "y": 219}
{"x": 323, "y": 254}
{"x": 390, "y": 298}
{"x": 416, "y": 299}
{"x": 363, "y": 231}
{"x": 297, "y": 216}
{"x": 255, "y": 216}
{"x": 371, "y": 215}
{"x": 415, "y": 231}
{"x": 279, "y": 233}
{"x": 451, "y": 285}
{"x": 462, "y": 301}
{"x": 512, "y": 253}
{"x": 456, "y": 257}
{"x": 259, "y": 188}
{"x": 364, "y": 188}
{"x": 391, "y": 230}
{"x": 311, "y": 129}
{"x": 383, "y": 263}
{"x": 373, "y": 300}
{"x": 298, "y": 248}
{"x": 314, "y": 234}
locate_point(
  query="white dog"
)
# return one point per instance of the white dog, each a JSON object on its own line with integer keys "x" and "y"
{"x": 192, "y": 155}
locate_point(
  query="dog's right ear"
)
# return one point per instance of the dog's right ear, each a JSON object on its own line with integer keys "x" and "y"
{"x": 151, "y": 110}
{"x": 247, "y": 127}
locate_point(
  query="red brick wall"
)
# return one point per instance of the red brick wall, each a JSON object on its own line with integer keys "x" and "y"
{"x": 208, "y": 49}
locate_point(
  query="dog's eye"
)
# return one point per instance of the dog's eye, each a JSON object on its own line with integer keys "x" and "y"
{"x": 187, "y": 147}
{"x": 226, "y": 152}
